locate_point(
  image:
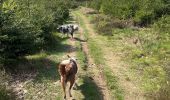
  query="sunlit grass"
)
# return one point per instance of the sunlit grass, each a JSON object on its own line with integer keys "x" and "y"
{"x": 148, "y": 56}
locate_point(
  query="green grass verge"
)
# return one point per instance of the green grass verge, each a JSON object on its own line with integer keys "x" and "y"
{"x": 111, "y": 79}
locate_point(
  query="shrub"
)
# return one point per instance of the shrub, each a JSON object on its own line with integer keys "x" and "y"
{"x": 105, "y": 24}
{"x": 27, "y": 26}
{"x": 144, "y": 12}
{"x": 163, "y": 25}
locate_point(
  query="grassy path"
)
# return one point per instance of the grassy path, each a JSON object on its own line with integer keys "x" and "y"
{"x": 93, "y": 67}
{"x": 89, "y": 89}
{"x": 95, "y": 53}
{"x": 41, "y": 80}
{"x": 94, "y": 73}
{"x": 112, "y": 69}
{"x": 101, "y": 76}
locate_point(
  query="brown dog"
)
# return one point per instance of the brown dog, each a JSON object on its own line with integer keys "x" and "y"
{"x": 68, "y": 69}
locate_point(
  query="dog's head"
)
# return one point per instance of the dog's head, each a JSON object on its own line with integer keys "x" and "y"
{"x": 59, "y": 29}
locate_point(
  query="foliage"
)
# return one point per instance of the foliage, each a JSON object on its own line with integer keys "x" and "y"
{"x": 163, "y": 25}
{"x": 143, "y": 12}
{"x": 104, "y": 24}
{"x": 26, "y": 26}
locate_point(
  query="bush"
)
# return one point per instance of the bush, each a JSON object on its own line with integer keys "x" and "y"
{"x": 27, "y": 26}
{"x": 144, "y": 12}
{"x": 105, "y": 24}
{"x": 163, "y": 25}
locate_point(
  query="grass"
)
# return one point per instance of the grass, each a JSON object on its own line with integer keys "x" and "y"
{"x": 97, "y": 55}
{"x": 81, "y": 57}
{"x": 4, "y": 93}
{"x": 147, "y": 60}
{"x": 111, "y": 79}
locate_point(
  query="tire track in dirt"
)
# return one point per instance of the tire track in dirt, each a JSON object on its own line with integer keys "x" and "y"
{"x": 99, "y": 77}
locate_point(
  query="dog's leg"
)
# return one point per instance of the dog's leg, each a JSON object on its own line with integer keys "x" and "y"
{"x": 71, "y": 84}
{"x": 63, "y": 35}
{"x": 67, "y": 34}
{"x": 63, "y": 86}
{"x": 71, "y": 35}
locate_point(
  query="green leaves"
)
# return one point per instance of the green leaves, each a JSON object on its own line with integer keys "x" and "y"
{"x": 9, "y": 5}
{"x": 26, "y": 26}
{"x": 144, "y": 12}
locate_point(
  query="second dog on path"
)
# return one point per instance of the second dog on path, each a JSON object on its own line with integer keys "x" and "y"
{"x": 68, "y": 28}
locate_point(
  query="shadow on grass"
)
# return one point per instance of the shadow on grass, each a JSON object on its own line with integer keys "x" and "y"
{"x": 80, "y": 40}
{"x": 36, "y": 69}
{"x": 32, "y": 71}
{"x": 46, "y": 70}
{"x": 58, "y": 45}
{"x": 89, "y": 89}
{"x": 40, "y": 68}
{"x": 43, "y": 68}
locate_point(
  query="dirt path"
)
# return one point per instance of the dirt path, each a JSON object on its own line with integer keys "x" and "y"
{"x": 97, "y": 73}
{"x": 98, "y": 78}
{"x": 131, "y": 91}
